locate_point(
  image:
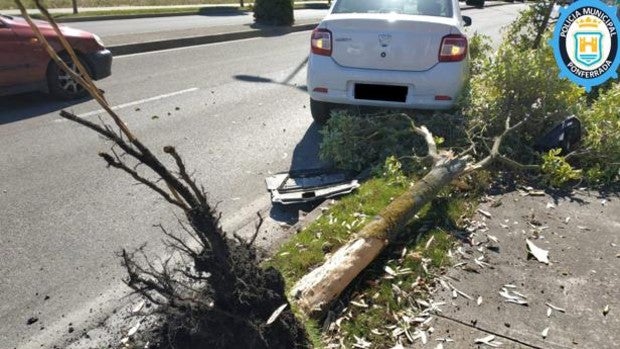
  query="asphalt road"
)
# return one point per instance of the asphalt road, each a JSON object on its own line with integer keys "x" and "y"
{"x": 148, "y": 25}
{"x": 63, "y": 215}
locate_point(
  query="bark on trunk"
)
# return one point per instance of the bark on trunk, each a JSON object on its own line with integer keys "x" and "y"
{"x": 315, "y": 292}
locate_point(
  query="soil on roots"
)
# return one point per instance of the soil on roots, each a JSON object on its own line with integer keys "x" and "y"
{"x": 239, "y": 316}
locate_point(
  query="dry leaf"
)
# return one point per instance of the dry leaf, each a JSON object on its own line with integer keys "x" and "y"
{"x": 538, "y": 253}
{"x": 606, "y": 310}
{"x": 545, "y": 332}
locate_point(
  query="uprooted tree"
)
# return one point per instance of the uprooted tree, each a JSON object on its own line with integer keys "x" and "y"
{"x": 514, "y": 90}
{"x": 221, "y": 297}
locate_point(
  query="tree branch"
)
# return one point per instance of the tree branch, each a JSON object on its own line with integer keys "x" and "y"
{"x": 117, "y": 164}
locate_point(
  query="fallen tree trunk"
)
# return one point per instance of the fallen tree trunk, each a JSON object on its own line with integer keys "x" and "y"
{"x": 316, "y": 291}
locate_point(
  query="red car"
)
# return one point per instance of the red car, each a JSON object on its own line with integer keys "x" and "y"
{"x": 25, "y": 65}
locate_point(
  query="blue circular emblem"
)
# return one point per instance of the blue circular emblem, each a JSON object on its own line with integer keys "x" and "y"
{"x": 586, "y": 43}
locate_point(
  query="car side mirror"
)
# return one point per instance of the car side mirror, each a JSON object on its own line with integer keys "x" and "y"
{"x": 467, "y": 20}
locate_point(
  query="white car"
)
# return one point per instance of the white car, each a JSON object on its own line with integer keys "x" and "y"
{"x": 388, "y": 53}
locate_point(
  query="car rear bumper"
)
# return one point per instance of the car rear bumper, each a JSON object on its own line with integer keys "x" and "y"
{"x": 436, "y": 88}
{"x": 100, "y": 63}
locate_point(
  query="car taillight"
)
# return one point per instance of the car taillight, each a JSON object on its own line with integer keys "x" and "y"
{"x": 321, "y": 42}
{"x": 453, "y": 48}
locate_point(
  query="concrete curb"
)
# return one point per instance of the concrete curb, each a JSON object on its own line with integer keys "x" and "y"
{"x": 147, "y": 15}
{"x": 140, "y": 47}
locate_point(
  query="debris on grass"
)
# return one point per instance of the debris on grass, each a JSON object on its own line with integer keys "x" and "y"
{"x": 538, "y": 253}
{"x": 429, "y": 242}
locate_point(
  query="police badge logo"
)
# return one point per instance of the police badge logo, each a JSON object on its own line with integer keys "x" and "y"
{"x": 585, "y": 43}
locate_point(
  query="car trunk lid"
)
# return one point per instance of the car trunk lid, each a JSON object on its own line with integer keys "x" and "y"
{"x": 387, "y": 41}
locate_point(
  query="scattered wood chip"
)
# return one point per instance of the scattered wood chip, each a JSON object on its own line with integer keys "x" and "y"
{"x": 492, "y": 238}
{"x": 464, "y": 294}
{"x": 389, "y": 270}
{"x": 536, "y": 193}
{"x": 429, "y": 242}
{"x": 561, "y": 310}
{"x": 276, "y": 313}
{"x": 549, "y": 311}
{"x": 606, "y": 310}
{"x": 567, "y": 220}
{"x": 538, "y": 253}
{"x": 134, "y": 329}
{"x": 545, "y": 332}
{"x": 484, "y": 213}
{"x": 360, "y": 304}
{"x": 488, "y": 340}
{"x": 138, "y": 307}
{"x": 517, "y": 301}
{"x": 479, "y": 300}
{"x": 550, "y": 205}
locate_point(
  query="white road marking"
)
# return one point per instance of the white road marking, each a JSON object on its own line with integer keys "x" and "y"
{"x": 142, "y": 101}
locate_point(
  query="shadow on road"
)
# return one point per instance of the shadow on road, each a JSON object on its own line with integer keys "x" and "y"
{"x": 259, "y": 79}
{"x": 285, "y": 82}
{"x": 305, "y": 156}
{"x": 222, "y": 11}
{"x": 29, "y": 105}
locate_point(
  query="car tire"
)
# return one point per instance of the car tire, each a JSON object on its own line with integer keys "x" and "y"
{"x": 61, "y": 85}
{"x": 320, "y": 111}
{"x": 476, "y": 3}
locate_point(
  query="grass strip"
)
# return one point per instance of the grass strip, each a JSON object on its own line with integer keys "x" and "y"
{"x": 373, "y": 293}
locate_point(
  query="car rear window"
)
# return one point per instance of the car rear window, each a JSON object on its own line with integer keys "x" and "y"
{"x": 440, "y": 8}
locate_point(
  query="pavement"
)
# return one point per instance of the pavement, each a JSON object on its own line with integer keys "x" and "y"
{"x": 581, "y": 233}
{"x": 236, "y": 111}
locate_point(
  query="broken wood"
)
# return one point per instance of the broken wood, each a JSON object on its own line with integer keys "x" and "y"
{"x": 315, "y": 292}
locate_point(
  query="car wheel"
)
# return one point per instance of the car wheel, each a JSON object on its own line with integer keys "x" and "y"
{"x": 320, "y": 111}
{"x": 61, "y": 84}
